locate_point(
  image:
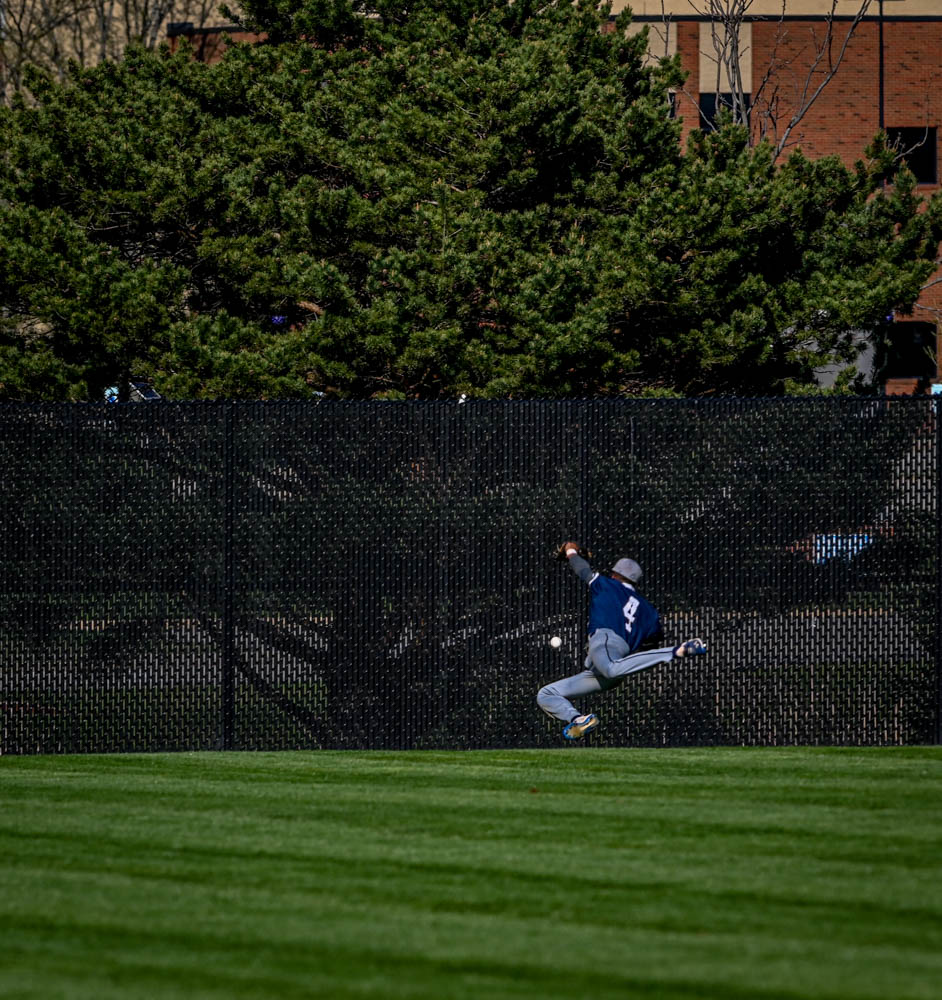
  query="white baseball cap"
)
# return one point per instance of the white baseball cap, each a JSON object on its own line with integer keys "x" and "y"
{"x": 629, "y": 569}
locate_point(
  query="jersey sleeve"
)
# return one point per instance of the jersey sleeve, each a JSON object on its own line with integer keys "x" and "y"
{"x": 582, "y": 569}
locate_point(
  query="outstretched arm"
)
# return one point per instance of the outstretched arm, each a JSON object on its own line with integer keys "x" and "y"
{"x": 577, "y": 564}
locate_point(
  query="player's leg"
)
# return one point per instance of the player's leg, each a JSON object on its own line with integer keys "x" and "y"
{"x": 610, "y": 656}
{"x": 634, "y": 662}
{"x": 555, "y": 700}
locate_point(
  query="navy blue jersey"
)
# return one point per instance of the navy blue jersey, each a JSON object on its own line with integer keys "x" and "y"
{"x": 618, "y": 606}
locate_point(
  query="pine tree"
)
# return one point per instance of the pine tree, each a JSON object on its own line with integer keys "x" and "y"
{"x": 440, "y": 199}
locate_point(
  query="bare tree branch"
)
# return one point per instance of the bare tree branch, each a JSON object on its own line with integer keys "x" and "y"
{"x": 765, "y": 108}
{"x": 809, "y": 96}
{"x": 51, "y": 33}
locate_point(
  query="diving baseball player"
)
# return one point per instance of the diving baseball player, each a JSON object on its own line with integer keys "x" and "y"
{"x": 620, "y": 622}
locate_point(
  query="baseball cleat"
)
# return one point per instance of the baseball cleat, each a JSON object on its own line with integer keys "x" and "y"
{"x": 692, "y": 647}
{"x": 579, "y": 726}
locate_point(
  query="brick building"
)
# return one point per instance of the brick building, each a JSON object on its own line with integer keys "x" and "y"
{"x": 880, "y": 64}
{"x": 886, "y": 58}
{"x": 209, "y": 43}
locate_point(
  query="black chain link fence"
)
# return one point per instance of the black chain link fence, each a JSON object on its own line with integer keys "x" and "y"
{"x": 380, "y": 575}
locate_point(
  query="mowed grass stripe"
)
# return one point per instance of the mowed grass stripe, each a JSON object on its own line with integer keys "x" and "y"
{"x": 670, "y": 873}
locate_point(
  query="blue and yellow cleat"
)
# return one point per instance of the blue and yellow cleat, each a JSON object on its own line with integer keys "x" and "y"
{"x": 579, "y": 726}
{"x": 692, "y": 647}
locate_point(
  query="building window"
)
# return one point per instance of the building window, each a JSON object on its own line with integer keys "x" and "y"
{"x": 917, "y": 146}
{"x": 711, "y": 105}
{"x": 906, "y": 349}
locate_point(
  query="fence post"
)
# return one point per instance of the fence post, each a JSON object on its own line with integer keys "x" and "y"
{"x": 228, "y": 583}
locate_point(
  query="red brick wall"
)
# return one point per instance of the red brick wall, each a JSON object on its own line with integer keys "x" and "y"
{"x": 913, "y": 79}
{"x": 688, "y": 48}
{"x": 913, "y": 97}
{"x": 846, "y": 115}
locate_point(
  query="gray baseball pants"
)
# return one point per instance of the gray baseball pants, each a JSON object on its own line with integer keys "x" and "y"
{"x": 609, "y": 662}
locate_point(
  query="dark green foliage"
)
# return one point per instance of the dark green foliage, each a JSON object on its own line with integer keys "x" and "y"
{"x": 446, "y": 198}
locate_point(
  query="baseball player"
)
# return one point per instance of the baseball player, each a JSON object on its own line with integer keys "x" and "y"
{"x": 621, "y": 621}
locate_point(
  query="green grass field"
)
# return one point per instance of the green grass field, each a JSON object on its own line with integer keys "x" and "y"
{"x": 727, "y": 873}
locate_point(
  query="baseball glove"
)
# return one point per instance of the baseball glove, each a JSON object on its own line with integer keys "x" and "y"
{"x": 561, "y": 551}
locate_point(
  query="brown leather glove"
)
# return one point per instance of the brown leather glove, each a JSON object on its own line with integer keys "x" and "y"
{"x": 563, "y": 550}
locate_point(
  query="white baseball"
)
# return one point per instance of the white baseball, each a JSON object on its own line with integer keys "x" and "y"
{"x": 556, "y": 642}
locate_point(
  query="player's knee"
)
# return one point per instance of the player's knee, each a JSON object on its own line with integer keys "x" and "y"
{"x": 604, "y": 666}
{"x": 545, "y": 695}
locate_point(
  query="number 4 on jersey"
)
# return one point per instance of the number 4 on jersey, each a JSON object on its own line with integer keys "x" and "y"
{"x": 630, "y": 610}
